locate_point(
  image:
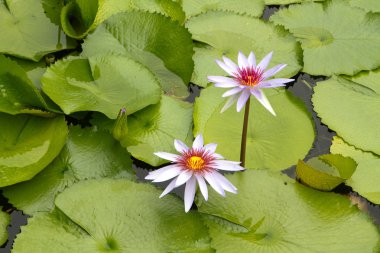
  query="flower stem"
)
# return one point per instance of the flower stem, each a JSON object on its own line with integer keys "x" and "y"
{"x": 244, "y": 133}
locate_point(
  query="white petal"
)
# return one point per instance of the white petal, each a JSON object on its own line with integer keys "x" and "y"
{"x": 211, "y": 147}
{"x": 224, "y": 183}
{"x": 202, "y": 186}
{"x": 243, "y": 99}
{"x": 232, "y": 91}
{"x": 230, "y": 101}
{"x": 278, "y": 82}
{"x": 226, "y": 68}
{"x": 169, "y": 173}
{"x": 242, "y": 60}
{"x": 153, "y": 174}
{"x": 198, "y": 142}
{"x": 217, "y": 156}
{"x": 263, "y": 100}
{"x": 167, "y": 156}
{"x": 214, "y": 184}
{"x": 189, "y": 193}
{"x": 231, "y": 64}
{"x": 168, "y": 188}
{"x": 252, "y": 60}
{"x": 265, "y": 62}
{"x": 273, "y": 71}
{"x": 228, "y": 165}
{"x": 183, "y": 177}
{"x": 226, "y": 85}
{"x": 220, "y": 79}
{"x": 180, "y": 146}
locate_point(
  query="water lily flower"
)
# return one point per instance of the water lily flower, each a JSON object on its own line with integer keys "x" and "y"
{"x": 197, "y": 164}
{"x": 248, "y": 79}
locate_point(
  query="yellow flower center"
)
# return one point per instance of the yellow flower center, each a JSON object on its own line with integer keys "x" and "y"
{"x": 195, "y": 163}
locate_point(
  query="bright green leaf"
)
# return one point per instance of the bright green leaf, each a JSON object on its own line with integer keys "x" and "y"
{"x": 88, "y": 154}
{"x": 284, "y": 2}
{"x": 228, "y": 33}
{"x": 27, "y": 145}
{"x": 367, "y": 5}
{"x": 27, "y": 32}
{"x": 103, "y": 84}
{"x": 335, "y": 38}
{"x": 272, "y": 142}
{"x": 114, "y": 216}
{"x": 273, "y": 213}
{"x": 4, "y": 222}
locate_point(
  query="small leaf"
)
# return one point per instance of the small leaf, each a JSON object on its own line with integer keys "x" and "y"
{"x": 4, "y": 222}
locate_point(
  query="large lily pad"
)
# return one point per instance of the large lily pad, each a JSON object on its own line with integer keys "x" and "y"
{"x": 114, "y": 216}
{"x": 221, "y": 30}
{"x": 273, "y": 213}
{"x": 88, "y": 154}
{"x": 273, "y": 142}
{"x": 4, "y": 222}
{"x": 351, "y": 110}
{"x": 79, "y": 17}
{"x": 157, "y": 42}
{"x": 100, "y": 83}
{"x": 27, "y": 145}
{"x": 368, "y": 5}
{"x": 27, "y": 32}
{"x": 335, "y": 38}
{"x": 155, "y": 128}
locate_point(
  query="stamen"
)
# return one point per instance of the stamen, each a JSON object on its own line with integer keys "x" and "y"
{"x": 249, "y": 76}
{"x": 195, "y": 163}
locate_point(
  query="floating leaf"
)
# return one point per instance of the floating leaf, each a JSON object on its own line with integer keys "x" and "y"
{"x": 222, "y": 30}
{"x": 273, "y": 213}
{"x": 27, "y": 32}
{"x": 157, "y": 42}
{"x": 351, "y": 110}
{"x": 117, "y": 216}
{"x": 88, "y": 154}
{"x": 367, "y": 5}
{"x": 79, "y": 17}
{"x": 103, "y": 84}
{"x": 272, "y": 142}
{"x": 284, "y": 2}
{"x": 155, "y": 128}
{"x": 195, "y": 7}
{"x": 326, "y": 172}
{"x": 335, "y": 38}
{"x": 27, "y": 145}
{"x": 4, "y": 222}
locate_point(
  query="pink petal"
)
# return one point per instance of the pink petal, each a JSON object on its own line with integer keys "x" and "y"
{"x": 220, "y": 79}
{"x": 231, "y": 64}
{"x": 263, "y": 100}
{"x": 211, "y": 147}
{"x": 189, "y": 193}
{"x": 232, "y": 91}
{"x": 227, "y": 165}
{"x": 278, "y": 82}
{"x": 202, "y": 186}
{"x": 168, "y": 174}
{"x": 198, "y": 142}
{"x": 243, "y": 99}
{"x": 214, "y": 184}
{"x": 252, "y": 60}
{"x": 242, "y": 61}
{"x": 153, "y": 174}
{"x": 168, "y": 188}
{"x": 180, "y": 146}
{"x": 226, "y": 68}
{"x": 273, "y": 71}
{"x": 183, "y": 177}
{"x": 265, "y": 62}
{"x": 167, "y": 156}
{"x": 226, "y": 85}
{"x": 230, "y": 101}
{"x": 225, "y": 183}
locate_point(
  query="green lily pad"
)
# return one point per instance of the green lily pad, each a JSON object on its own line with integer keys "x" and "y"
{"x": 27, "y": 145}
{"x": 27, "y": 32}
{"x": 99, "y": 83}
{"x": 326, "y": 172}
{"x": 335, "y": 38}
{"x": 367, "y": 5}
{"x": 365, "y": 179}
{"x": 195, "y": 7}
{"x": 221, "y": 30}
{"x": 272, "y": 142}
{"x": 273, "y": 213}
{"x": 5, "y": 219}
{"x": 88, "y": 154}
{"x": 284, "y": 2}
{"x": 79, "y": 17}
{"x": 146, "y": 39}
{"x": 155, "y": 128}
{"x": 351, "y": 110}
{"x": 114, "y": 216}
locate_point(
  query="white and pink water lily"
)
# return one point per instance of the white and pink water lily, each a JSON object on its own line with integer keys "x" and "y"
{"x": 195, "y": 165}
{"x": 248, "y": 79}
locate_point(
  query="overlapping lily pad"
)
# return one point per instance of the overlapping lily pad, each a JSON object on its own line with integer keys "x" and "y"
{"x": 27, "y": 32}
{"x": 336, "y": 38}
{"x": 350, "y": 109}
{"x": 99, "y": 83}
{"x": 368, "y": 5}
{"x": 269, "y": 137}
{"x": 157, "y": 42}
{"x": 88, "y": 154}
{"x": 114, "y": 216}
{"x": 79, "y": 17}
{"x": 4, "y": 222}
{"x": 272, "y": 213}
{"x": 27, "y": 145}
{"x": 155, "y": 128}
{"x": 226, "y": 33}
